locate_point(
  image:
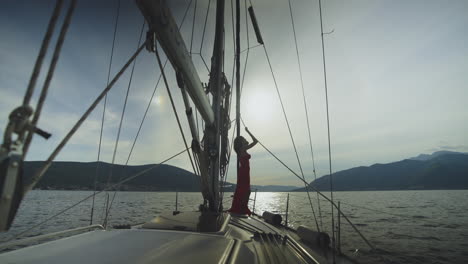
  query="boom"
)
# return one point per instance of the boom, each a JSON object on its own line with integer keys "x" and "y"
{"x": 160, "y": 21}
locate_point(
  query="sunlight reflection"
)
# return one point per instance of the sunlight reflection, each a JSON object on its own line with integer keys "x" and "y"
{"x": 268, "y": 201}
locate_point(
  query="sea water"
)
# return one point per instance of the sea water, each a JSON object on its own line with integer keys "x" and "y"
{"x": 403, "y": 226}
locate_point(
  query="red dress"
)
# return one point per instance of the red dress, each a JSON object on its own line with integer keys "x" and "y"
{"x": 241, "y": 196}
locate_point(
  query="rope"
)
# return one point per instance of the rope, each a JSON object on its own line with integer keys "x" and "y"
{"x": 174, "y": 108}
{"x": 104, "y": 108}
{"x": 120, "y": 125}
{"x": 39, "y": 173}
{"x": 50, "y": 74}
{"x": 328, "y": 124}
{"x": 106, "y": 189}
{"x": 305, "y": 109}
{"x": 42, "y": 52}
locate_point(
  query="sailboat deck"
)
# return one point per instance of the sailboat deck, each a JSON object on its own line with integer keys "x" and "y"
{"x": 127, "y": 246}
{"x": 234, "y": 239}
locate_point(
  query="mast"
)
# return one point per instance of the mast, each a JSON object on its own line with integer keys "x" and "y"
{"x": 237, "y": 57}
{"x": 212, "y": 161}
{"x": 216, "y": 87}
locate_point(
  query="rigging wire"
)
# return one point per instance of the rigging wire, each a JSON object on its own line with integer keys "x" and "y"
{"x": 237, "y": 60}
{"x": 287, "y": 167}
{"x": 243, "y": 74}
{"x": 306, "y": 111}
{"x": 191, "y": 45}
{"x": 104, "y": 108}
{"x": 248, "y": 47}
{"x": 120, "y": 126}
{"x": 203, "y": 36}
{"x": 150, "y": 100}
{"x": 195, "y": 157}
{"x": 109, "y": 178}
{"x": 288, "y": 125}
{"x": 104, "y": 190}
{"x": 233, "y": 39}
{"x": 316, "y": 190}
{"x": 191, "y": 53}
{"x": 328, "y": 125}
{"x": 144, "y": 116}
{"x": 193, "y": 26}
{"x": 253, "y": 47}
{"x": 245, "y": 66}
{"x": 174, "y": 108}
{"x": 204, "y": 27}
{"x": 223, "y": 180}
{"x": 40, "y": 172}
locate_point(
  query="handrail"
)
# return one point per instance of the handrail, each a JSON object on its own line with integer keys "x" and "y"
{"x": 50, "y": 235}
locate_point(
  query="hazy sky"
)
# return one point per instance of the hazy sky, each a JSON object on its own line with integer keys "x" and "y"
{"x": 397, "y": 79}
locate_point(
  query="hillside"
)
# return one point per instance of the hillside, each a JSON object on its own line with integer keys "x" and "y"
{"x": 80, "y": 176}
{"x": 425, "y": 172}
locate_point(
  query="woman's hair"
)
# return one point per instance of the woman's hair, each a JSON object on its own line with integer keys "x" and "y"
{"x": 238, "y": 143}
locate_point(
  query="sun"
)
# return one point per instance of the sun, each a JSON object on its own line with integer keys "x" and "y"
{"x": 258, "y": 105}
{"x": 158, "y": 100}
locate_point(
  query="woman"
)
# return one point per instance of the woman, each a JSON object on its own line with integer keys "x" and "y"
{"x": 241, "y": 196}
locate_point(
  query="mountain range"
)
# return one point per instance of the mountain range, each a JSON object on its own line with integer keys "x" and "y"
{"x": 439, "y": 170}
